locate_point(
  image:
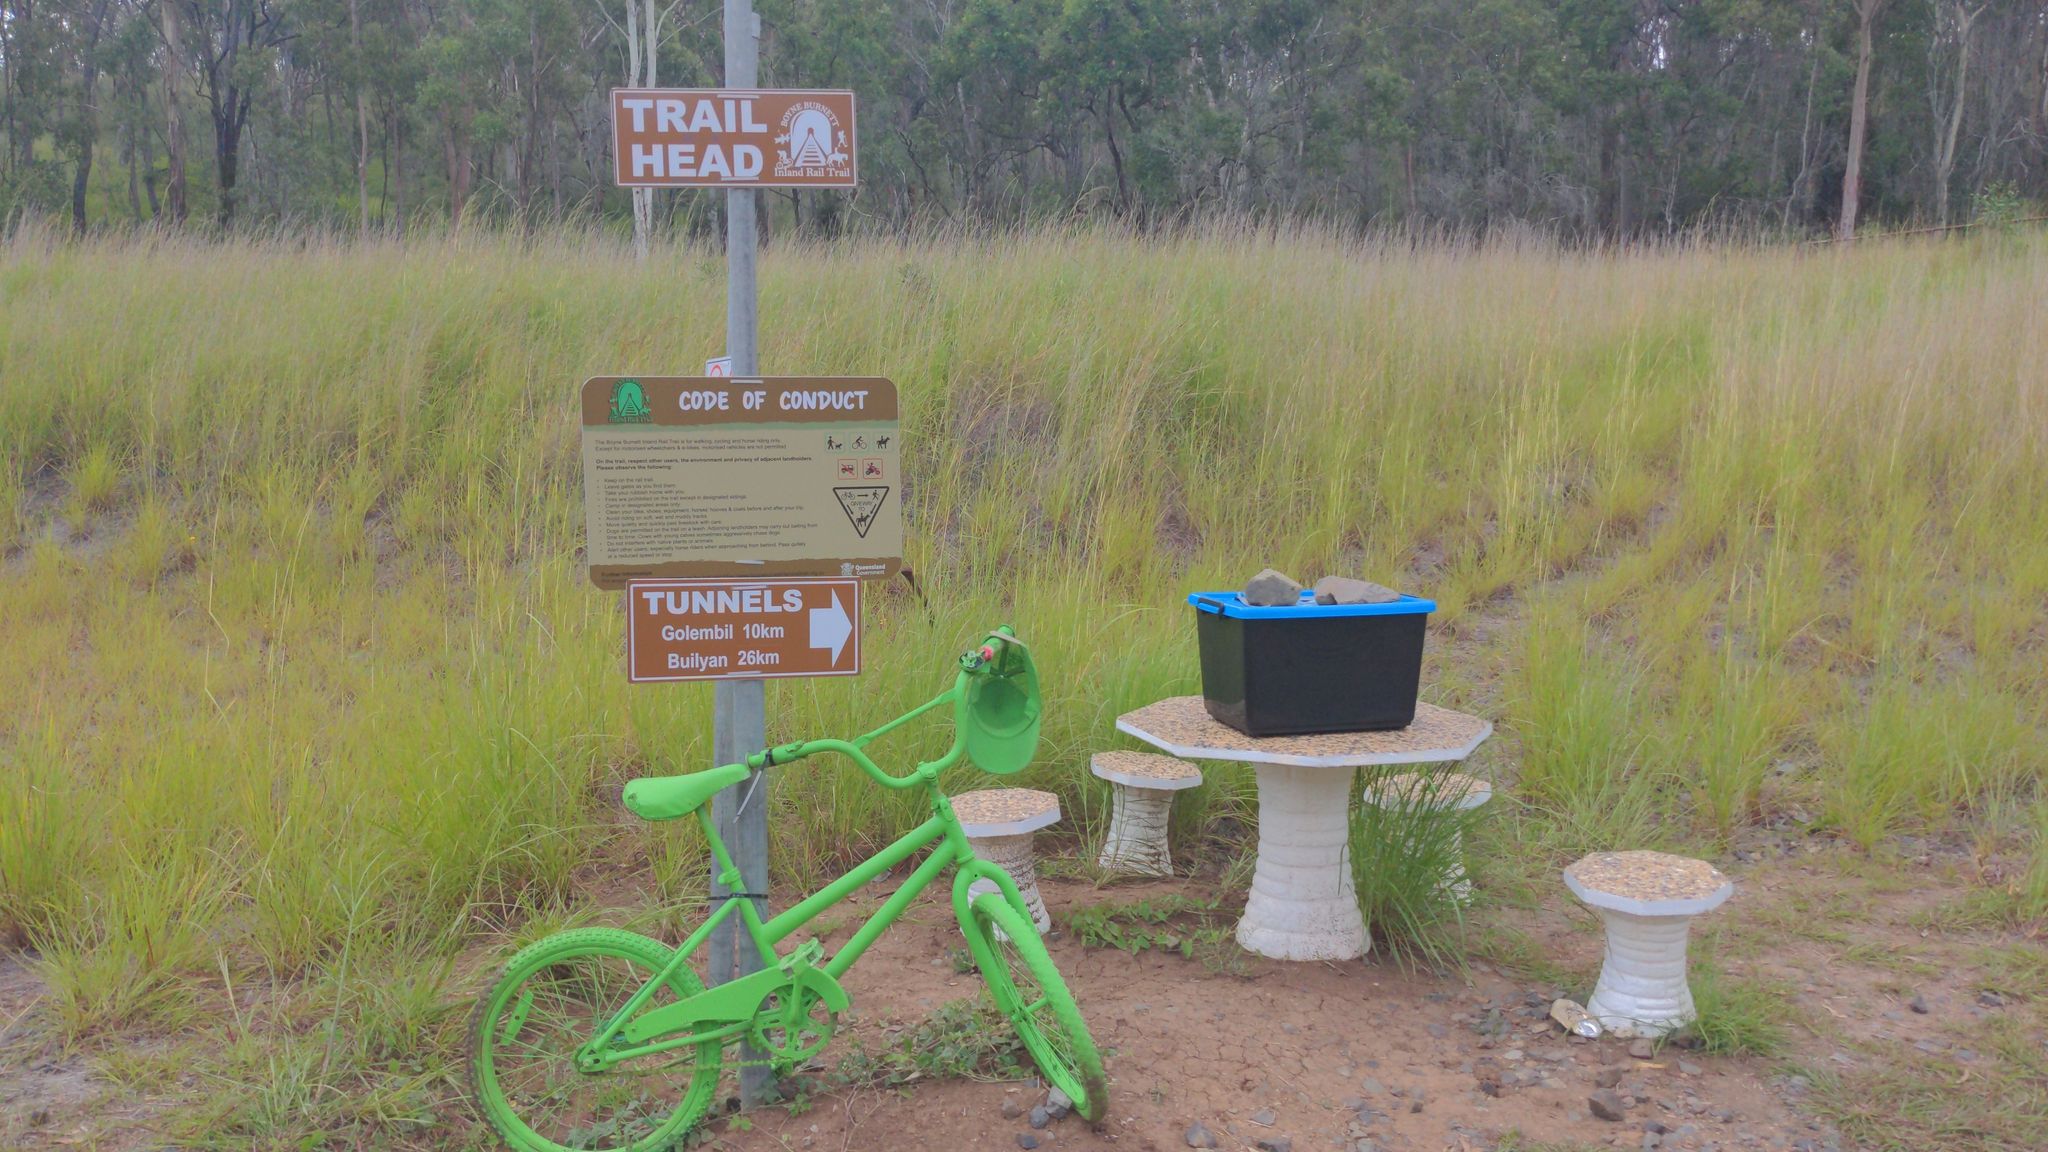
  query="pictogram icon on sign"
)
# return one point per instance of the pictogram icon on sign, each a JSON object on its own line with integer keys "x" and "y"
{"x": 861, "y": 504}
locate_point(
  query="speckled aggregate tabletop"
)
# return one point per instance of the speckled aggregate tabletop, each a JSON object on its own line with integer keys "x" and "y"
{"x": 1005, "y": 811}
{"x": 1145, "y": 770}
{"x": 1648, "y": 876}
{"x": 1182, "y": 726}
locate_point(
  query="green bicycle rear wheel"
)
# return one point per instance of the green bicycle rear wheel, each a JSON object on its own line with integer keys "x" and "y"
{"x": 554, "y": 997}
{"x": 1028, "y": 989}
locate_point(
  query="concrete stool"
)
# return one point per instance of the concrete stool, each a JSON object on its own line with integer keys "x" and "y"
{"x": 999, "y": 823}
{"x": 1142, "y": 801}
{"x": 1648, "y": 900}
{"x": 1447, "y": 792}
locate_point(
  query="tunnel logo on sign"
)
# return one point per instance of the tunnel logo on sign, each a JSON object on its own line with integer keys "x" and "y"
{"x": 861, "y": 504}
{"x": 629, "y": 404}
{"x": 812, "y": 143}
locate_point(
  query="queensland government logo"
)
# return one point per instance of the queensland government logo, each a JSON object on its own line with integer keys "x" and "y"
{"x": 629, "y": 404}
{"x": 812, "y": 144}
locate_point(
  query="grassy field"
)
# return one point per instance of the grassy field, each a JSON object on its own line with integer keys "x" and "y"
{"x": 303, "y": 687}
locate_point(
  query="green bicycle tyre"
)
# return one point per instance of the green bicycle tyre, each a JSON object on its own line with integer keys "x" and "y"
{"x": 561, "y": 990}
{"x": 1027, "y": 989}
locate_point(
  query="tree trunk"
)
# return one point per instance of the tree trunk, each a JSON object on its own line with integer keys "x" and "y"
{"x": 1799, "y": 182}
{"x": 21, "y": 110}
{"x": 88, "y": 116}
{"x": 643, "y": 198}
{"x": 1859, "y": 116}
{"x": 461, "y": 167}
{"x": 174, "y": 119}
{"x": 1946, "y": 134}
{"x": 156, "y": 209}
{"x": 397, "y": 168}
{"x": 355, "y": 36}
{"x": 134, "y": 185}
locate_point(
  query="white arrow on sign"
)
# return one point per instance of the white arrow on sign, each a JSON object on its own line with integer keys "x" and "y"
{"x": 830, "y": 627}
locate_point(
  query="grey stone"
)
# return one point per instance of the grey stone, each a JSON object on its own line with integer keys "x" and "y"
{"x": 1199, "y": 1136}
{"x": 1690, "y": 1068}
{"x": 1606, "y": 1104}
{"x": 1057, "y": 1104}
{"x": 1642, "y": 1049}
{"x": 1656, "y": 1126}
{"x": 1012, "y": 1109}
{"x": 1263, "y": 1117}
{"x": 1274, "y": 1144}
{"x": 1344, "y": 590}
{"x": 1438, "y": 1031}
{"x": 1027, "y": 1140}
{"x": 1918, "y": 1004}
{"x": 1040, "y": 1116}
{"x": 1990, "y": 999}
{"x": 1373, "y": 1087}
{"x": 1270, "y": 589}
{"x": 1607, "y": 1077}
{"x": 1366, "y": 1145}
{"x": 1651, "y": 1140}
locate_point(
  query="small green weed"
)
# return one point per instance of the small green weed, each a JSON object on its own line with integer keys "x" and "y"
{"x": 961, "y": 1039}
{"x": 1408, "y": 866}
{"x": 1737, "y": 1015}
{"x": 1189, "y": 928}
{"x": 95, "y": 479}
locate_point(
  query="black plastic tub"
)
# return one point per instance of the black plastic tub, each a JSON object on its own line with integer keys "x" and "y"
{"x": 1305, "y": 668}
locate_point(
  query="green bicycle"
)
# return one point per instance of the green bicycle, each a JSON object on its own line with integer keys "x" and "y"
{"x": 597, "y": 1038}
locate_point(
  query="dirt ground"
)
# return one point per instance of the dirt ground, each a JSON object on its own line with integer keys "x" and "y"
{"x": 1886, "y": 1000}
{"x": 1317, "y": 1055}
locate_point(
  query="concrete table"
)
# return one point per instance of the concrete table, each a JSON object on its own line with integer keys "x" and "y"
{"x": 1302, "y": 904}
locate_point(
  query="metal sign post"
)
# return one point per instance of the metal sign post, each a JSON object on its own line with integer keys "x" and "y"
{"x": 676, "y": 488}
{"x": 739, "y": 709}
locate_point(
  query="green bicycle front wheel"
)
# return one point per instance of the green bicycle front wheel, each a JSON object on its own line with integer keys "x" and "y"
{"x": 1028, "y": 989}
{"x": 554, "y": 997}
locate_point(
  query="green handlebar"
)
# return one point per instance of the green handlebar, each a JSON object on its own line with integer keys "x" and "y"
{"x": 975, "y": 661}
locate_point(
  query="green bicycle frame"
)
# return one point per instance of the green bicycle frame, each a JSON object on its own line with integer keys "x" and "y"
{"x": 737, "y": 1000}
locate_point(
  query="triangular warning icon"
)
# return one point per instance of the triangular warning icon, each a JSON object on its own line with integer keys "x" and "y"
{"x": 861, "y": 504}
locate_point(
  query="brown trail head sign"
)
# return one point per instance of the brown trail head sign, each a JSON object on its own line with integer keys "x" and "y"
{"x": 741, "y": 629}
{"x": 709, "y": 476}
{"x": 732, "y": 138}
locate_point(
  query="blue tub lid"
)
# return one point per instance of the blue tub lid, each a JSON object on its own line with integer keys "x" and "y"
{"x": 1232, "y": 604}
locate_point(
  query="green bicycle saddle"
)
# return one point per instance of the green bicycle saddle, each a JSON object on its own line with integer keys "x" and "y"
{"x": 667, "y": 797}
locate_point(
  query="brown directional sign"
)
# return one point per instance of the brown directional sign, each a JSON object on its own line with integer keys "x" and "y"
{"x": 713, "y": 476}
{"x": 741, "y": 629}
{"x": 732, "y": 138}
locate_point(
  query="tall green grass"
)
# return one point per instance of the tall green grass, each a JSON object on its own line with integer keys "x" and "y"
{"x": 300, "y": 658}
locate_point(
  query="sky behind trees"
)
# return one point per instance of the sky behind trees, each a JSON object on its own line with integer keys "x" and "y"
{"x": 1597, "y": 118}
